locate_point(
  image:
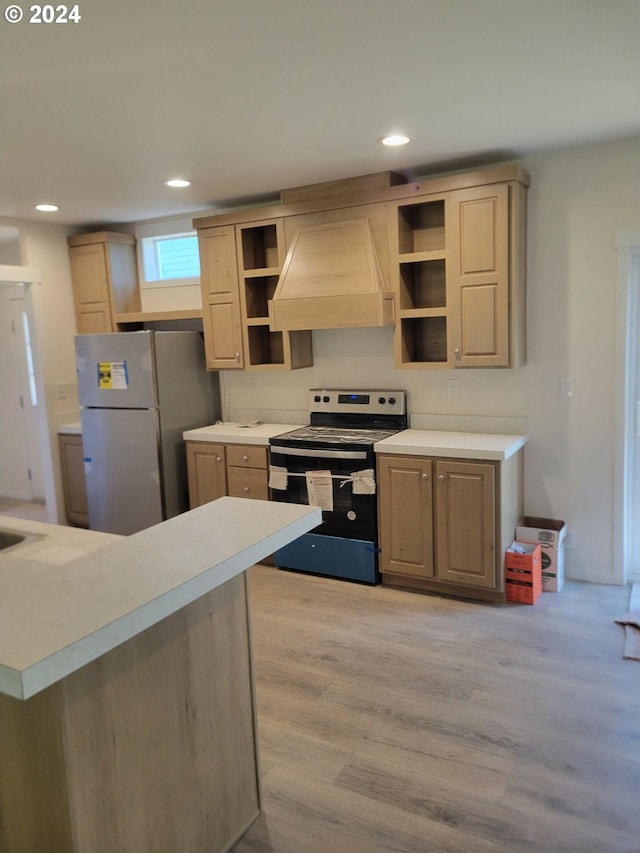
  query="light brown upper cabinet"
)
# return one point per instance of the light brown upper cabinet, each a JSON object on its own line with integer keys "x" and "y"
{"x": 104, "y": 275}
{"x": 239, "y": 268}
{"x": 220, "y": 297}
{"x": 458, "y": 263}
{"x": 442, "y": 259}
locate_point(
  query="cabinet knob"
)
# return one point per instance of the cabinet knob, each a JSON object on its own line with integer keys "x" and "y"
{"x": 442, "y": 477}
{"x": 457, "y": 353}
{"x": 237, "y": 356}
{"x": 245, "y": 458}
{"x": 246, "y": 489}
{"x": 425, "y": 476}
{"x": 218, "y": 458}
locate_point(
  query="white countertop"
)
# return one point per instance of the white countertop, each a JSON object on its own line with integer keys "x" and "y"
{"x": 459, "y": 445}
{"x": 414, "y": 442}
{"x": 70, "y": 428}
{"x": 62, "y": 607}
{"x": 235, "y": 433}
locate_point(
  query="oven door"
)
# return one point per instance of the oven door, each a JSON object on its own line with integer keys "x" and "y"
{"x": 351, "y": 509}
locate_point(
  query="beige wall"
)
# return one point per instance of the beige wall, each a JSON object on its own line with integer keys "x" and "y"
{"x": 578, "y": 198}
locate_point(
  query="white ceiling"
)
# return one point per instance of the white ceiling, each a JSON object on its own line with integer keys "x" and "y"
{"x": 246, "y": 97}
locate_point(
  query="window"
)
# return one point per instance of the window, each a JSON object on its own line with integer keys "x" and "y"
{"x": 168, "y": 255}
{"x": 170, "y": 258}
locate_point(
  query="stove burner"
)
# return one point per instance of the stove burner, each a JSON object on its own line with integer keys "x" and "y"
{"x": 338, "y": 435}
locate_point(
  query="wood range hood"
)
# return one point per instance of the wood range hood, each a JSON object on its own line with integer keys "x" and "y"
{"x": 331, "y": 279}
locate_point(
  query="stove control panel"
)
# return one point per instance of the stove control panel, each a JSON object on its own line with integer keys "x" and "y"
{"x": 372, "y": 402}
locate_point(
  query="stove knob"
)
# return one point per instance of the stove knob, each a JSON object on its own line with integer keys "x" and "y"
{"x": 317, "y": 398}
{"x": 326, "y": 399}
{"x": 381, "y": 400}
{"x": 392, "y": 400}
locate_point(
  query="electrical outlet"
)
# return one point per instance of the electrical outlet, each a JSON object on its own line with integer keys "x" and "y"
{"x": 453, "y": 388}
{"x": 570, "y": 540}
{"x": 568, "y": 387}
{"x": 61, "y": 391}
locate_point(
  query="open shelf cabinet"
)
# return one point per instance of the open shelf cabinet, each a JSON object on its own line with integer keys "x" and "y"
{"x": 419, "y": 270}
{"x": 260, "y": 255}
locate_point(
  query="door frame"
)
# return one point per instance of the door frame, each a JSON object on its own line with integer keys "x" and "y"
{"x": 28, "y": 276}
{"x": 627, "y": 382}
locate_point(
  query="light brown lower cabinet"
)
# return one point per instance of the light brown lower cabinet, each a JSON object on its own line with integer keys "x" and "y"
{"x": 237, "y": 470}
{"x": 445, "y": 523}
{"x": 74, "y": 485}
{"x": 206, "y": 472}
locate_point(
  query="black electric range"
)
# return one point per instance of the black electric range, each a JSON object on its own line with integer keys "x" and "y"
{"x": 331, "y": 463}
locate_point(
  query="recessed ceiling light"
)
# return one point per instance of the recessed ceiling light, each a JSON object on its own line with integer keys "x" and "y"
{"x": 178, "y": 182}
{"x": 395, "y": 139}
{"x": 47, "y": 208}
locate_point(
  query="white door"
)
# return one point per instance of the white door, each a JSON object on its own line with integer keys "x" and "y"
{"x": 634, "y": 424}
{"x": 626, "y": 551}
{"x": 20, "y": 457}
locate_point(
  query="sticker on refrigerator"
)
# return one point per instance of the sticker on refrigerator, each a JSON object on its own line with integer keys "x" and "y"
{"x": 113, "y": 376}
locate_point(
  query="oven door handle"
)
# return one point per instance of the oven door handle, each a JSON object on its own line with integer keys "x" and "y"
{"x": 318, "y": 454}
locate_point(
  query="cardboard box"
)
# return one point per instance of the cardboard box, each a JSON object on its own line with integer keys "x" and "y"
{"x": 550, "y": 534}
{"x": 522, "y": 572}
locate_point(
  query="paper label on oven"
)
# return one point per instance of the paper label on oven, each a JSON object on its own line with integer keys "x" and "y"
{"x": 277, "y": 477}
{"x": 320, "y": 489}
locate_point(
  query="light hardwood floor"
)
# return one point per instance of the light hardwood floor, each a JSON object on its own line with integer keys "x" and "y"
{"x": 33, "y": 510}
{"x": 391, "y": 721}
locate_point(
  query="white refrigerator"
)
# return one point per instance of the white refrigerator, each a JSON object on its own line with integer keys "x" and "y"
{"x": 139, "y": 391}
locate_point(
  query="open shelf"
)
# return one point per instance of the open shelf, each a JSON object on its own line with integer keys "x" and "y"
{"x": 265, "y": 346}
{"x": 260, "y": 247}
{"x": 157, "y": 316}
{"x": 258, "y": 291}
{"x": 423, "y": 340}
{"x": 420, "y": 274}
{"x": 423, "y": 284}
{"x": 421, "y": 227}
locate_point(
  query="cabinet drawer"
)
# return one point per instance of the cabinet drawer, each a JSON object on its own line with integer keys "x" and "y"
{"x": 247, "y": 483}
{"x": 247, "y": 456}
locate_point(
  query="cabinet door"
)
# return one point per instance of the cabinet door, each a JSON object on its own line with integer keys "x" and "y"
{"x": 220, "y": 298}
{"x": 89, "y": 274}
{"x": 406, "y": 516}
{"x": 478, "y": 276}
{"x": 466, "y": 523}
{"x": 206, "y": 471}
{"x": 73, "y": 480}
{"x": 95, "y": 322}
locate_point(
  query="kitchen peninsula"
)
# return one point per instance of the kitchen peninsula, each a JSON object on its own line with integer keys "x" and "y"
{"x": 126, "y": 690}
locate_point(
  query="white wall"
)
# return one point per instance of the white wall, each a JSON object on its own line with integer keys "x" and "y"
{"x": 578, "y": 198}
{"x": 44, "y": 246}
